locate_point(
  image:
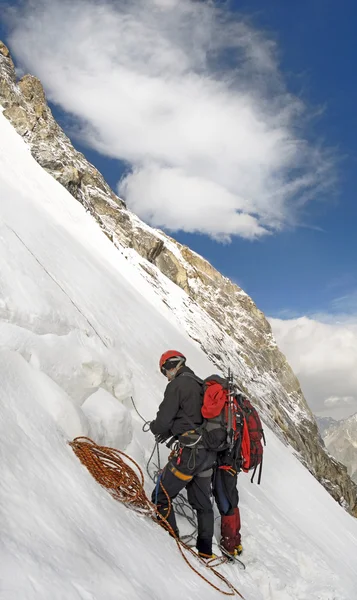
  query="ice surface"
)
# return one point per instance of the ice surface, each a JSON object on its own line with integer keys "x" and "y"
{"x": 110, "y": 422}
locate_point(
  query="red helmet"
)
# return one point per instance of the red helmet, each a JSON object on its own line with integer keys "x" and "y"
{"x": 170, "y": 355}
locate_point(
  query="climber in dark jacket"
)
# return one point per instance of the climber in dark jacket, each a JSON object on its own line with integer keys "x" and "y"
{"x": 192, "y": 465}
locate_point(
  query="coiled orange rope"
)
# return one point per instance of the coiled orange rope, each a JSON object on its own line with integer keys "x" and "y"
{"x": 107, "y": 466}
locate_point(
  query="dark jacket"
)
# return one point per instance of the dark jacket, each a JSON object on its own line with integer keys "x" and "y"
{"x": 180, "y": 409}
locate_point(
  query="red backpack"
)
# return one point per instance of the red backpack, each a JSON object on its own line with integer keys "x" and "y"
{"x": 231, "y": 423}
{"x": 253, "y": 434}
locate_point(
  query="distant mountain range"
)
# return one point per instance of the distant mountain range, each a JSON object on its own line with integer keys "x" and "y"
{"x": 325, "y": 423}
{"x": 340, "y": 438}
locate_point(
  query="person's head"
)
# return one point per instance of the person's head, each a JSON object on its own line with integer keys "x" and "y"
{"x": 170, "y": 362}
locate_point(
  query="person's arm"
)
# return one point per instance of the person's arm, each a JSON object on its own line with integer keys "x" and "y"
{"x": 167, "y": 412}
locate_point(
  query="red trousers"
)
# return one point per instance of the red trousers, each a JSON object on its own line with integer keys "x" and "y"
{"x": 230, "y": 530}
{"x": 226, "y": 495}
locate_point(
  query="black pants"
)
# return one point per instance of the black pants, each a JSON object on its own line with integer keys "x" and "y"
{"x": 191, "y": 470}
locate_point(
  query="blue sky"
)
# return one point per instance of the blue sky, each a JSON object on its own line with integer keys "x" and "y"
{"x": 304, "y": 270}
{"x": 306, "y": 266}
{"x": 308, "y": 269}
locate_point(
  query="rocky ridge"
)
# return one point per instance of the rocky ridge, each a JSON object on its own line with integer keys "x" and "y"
{"x": 236, "y": 333}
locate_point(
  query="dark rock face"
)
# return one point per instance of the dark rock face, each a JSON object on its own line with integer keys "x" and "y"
{"x": 240, "y": 336}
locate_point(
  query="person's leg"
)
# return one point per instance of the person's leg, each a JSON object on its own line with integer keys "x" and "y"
{"x": 226, "y": 496}
{"x": 172, "y": 482}
{"x": 230, "y": 483}
{"x": 220, "y": 492}
{"x": 238, "y": 540}
{"x": 199, "y": 496}
{"x": 179, "y": 473}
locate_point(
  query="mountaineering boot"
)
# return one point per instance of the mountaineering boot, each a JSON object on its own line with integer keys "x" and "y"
{"x": 230, "y": 555}
{"x": 204, "y": 548}
{"x": 165, "y": 514}
{"x": 207, "y": 556}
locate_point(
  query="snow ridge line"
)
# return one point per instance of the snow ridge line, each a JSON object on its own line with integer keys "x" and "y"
{"x": 58, "y": 284}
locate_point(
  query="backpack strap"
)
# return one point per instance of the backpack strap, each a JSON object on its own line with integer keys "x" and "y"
{"x": 211, "y": 424}
{"x": 197, "y": 428}
{"x": 192, "y": 375}
{"x": 245, "y": 447}
{"x": 260, "y": 472}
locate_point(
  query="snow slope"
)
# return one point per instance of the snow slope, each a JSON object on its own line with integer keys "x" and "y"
{"x": 81, "y": 330}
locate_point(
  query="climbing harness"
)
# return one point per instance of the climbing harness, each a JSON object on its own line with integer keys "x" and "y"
{"x": 110, "y": 468}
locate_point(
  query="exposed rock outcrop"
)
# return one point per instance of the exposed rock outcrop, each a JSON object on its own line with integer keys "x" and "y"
{"x": 241, "y": 336}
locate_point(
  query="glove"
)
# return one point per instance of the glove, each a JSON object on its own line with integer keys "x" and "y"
{"x": 160, "y": 438}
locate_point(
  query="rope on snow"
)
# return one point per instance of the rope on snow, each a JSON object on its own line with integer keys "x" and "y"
{"x": 110, "y": 468}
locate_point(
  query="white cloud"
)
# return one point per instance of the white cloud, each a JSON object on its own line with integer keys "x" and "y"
{"x": 323, "y": 354}
{"x": 339, "y": 400}
{"x": 193, "y": 100}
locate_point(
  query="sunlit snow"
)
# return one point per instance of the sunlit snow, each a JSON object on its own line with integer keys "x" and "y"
{"x": 81, "y": 330}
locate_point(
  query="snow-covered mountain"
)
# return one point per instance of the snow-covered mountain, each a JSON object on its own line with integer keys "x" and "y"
{"x": 325, "y": 423}
{"x": 340, "y": 438}
{"x": 81, "y": 329}
{"x": 215, "y": 313}
{"x": 341, "y": 441}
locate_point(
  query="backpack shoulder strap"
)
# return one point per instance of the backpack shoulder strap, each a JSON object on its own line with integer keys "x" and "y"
{"x": 193, "y": 376}
{"x": 245, "y": 447}
{"x": 200, "y": 381}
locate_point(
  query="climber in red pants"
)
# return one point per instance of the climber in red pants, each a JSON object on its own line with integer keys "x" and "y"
{"x": 227, "y": 498}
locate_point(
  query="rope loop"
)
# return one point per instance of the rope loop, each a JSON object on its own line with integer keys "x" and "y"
{"x": 123, "y": 478}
